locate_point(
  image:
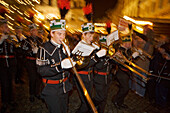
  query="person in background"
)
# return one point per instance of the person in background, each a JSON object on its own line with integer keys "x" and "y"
{"x": 31, "y": 46}
{"x": 160, "y": 67}
{"x": 7, "y": 65}
{"x": 86, "y": 69}
{"x": 19, "y": 54}
{"x": 138, "y": 84}
{"x": 123, "y": 74}
{"x": 102, "y": 80}
{"x": 42, "y": 33}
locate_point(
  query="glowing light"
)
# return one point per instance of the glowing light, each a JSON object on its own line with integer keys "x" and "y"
{"x": 26, "y": 14}
{"x": 40, "y": 16}
{"x": 66, "y": 26}
{"x": 19, "y": 12}
{"x": 16, "y": 7}
{"x": 137, "y": 21}
{"x": 9, "y": 17}
{"x": 4, "y": 3}
{"x": 139, "y": 28}
{"x": 10, "y": 23}
{"x": 10, "y": 27}
{"x": 46, "y": 26}
{"x": 36, "y": 1}
{"x": 35, "y": 10}
{"x": 78, "y": 30}
{"x": 112, "y": 24}
{"x": 27, "y": 19}
{"x": 21, "y": 2}
{"x": 23, "y": 25}
{"x": 38, "y": 20}
{"x": 100, "y": 24}
{"x": 51, "y": 16}
{"x": 71, "y": 31}
{"x": 26, "y": 2}
{"x": 85, "y": 92}
{"x": 11, "y": 11}
{"x": 13, "y": 8}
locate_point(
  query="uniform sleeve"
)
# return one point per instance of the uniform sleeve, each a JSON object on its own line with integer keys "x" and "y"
{"x": 93, "y": 58}
{"x": 48, "y": 70}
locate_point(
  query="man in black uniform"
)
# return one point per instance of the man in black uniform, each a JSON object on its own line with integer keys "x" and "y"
{"x": 7, "y": 65}
{"x": 31, "y": 46}
{"x": 19, "y": 54}
{"x": 85, "y": 72}
{"x": 53, "y": 64}
{"x": 102, "y": 79}
{"x": 123, "y": 73}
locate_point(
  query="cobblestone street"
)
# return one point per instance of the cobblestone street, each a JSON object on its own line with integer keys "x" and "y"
{"x": 136, "y": 103}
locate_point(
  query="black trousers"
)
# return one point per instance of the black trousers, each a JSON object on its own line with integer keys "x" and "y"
{"x": 101, "y": 84}
{"x": 20, "y": 67}
{"x": 123, "y": 79}
{"x": 6, "y": 77}
{"x": 57, "y": 103}
{"x": 34, "y": 78}
{"x": 84, "y": 108}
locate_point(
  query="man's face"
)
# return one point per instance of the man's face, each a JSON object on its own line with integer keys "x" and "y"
{"x": 58, "y": 36}
{"x": 34, "y": 32}
{"x": 127, "y": 45}
{"x": 18, "y": 31}
{"x": 5, "y": 28}
{"x": 88, "y": 37}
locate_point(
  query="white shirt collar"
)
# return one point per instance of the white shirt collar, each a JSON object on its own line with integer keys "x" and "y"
{"x": 84, "y": 41}
{"x": 54, "y": 43}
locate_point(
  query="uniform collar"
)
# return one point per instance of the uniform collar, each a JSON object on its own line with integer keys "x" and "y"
{"x": 84, "y": 41}
{"x": 55, "y": 44}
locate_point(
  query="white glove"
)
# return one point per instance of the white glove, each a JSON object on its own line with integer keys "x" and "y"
{"x": 35, "y": 49}
{"x": 66, "y": 63}
{"x": 101, "y": 53}
{"x": 135, "y": 54}
{"x": 2, "y": 38}
{"x": 140, "y": 51}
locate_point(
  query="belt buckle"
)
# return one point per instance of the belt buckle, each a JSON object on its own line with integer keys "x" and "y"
{"x": 61, "y": 80}
{"x": 6, "y": 56}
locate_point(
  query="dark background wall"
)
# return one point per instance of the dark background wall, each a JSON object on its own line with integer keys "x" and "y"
{"x": 100, "y": 7}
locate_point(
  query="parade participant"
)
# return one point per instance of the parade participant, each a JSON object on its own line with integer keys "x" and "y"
{"x": 85, "y": 72}
{"x": 31, "y": 46}
{"x": 42, "y": 33}
{"x": 7, "y": 65}
{"x": 53, "y": 64}
{"x": 19, "y": 54}
{"x": 123, "y": 73}
{"x": 102, "y": 80}
{"x": 160, "y": 67}
{"x": 137, "y": 83}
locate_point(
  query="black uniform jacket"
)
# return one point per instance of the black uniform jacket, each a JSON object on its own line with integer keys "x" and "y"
{"x": 7, "y": 54}
{"x": 127, "y": 53}
{"x": 29, "y": 43}
{"x": 48, "y": 61}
